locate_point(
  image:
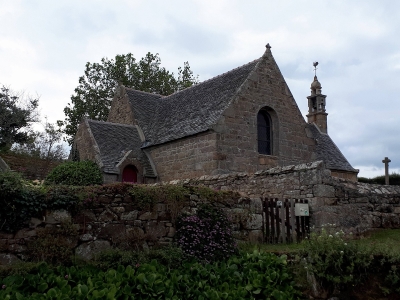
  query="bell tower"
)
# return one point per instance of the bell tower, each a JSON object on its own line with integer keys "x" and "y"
{"x": 316, "y": 104}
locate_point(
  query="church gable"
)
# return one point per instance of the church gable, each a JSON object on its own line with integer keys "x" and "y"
{"x": 120, "y": 110}
{"x": 264, "y": 104}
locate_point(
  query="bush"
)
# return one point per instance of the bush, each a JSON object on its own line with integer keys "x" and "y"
{"x": 207, "y": 235}
{"x": 18, "y": 201}
{"x": 394, "y": 179}
{"x": 249, "y": 276}
{"x": 75, "y": 173}
{"x": 11, "y": 185}
{"x": 335, "y": 262}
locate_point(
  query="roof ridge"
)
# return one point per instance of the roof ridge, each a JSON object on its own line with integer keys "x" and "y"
{"x": 212, "y": 78}
{"x": 148, "y": 93}
{"x": 109, "y": 123}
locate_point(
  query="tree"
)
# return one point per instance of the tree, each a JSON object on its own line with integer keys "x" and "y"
{"x": 17, "y": 113}
{"x": 93, "y": 96}
{"x": 45, "y": 144}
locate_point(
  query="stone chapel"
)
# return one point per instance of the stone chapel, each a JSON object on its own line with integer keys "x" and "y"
{"x": 244, "y": 120}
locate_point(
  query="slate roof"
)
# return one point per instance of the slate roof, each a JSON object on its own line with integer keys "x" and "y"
{"x": 114, "y": 141}
{"x": 327, "y": 151}
{"x": 187, "y": 112}
{"x": 144, "y": 107}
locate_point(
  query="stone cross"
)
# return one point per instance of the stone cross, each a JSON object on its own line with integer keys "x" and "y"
{"x": 386, "y": 161}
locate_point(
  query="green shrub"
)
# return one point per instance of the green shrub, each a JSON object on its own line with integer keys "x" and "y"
{"x": 394, "y": 179}
{"x": 249, "y": 276}
{"x": 335, "y": 262}
{"x": 11, "y": 185}
{"x": 18, "y": 201}
{"x": 75, "y": 173}
{"x": 207, "y": 235}
{"x": 65, "y": 197}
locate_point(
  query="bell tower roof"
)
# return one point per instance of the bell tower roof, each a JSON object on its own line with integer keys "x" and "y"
{"x": 316, "y": 104}
{"x": 315, "y": 86}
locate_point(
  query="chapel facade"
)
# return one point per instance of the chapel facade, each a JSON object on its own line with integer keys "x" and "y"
{"x": 244, "y": 120}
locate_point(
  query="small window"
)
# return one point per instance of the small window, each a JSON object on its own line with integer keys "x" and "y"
{"x": 264, "y": 132}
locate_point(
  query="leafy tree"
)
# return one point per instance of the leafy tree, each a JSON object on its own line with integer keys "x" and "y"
{"x": 17, "y": 113}
{"x": 93, "y": 96}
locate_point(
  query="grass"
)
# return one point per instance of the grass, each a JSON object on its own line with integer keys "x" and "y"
{"x": 383, "y": 241}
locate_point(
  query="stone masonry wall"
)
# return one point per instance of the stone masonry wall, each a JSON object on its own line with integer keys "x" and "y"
{"x": 120, "y": 110}
{"x": 266, "y": 87}
{"x": 111, "y": 219}
{"x": 189, "y": 157}
{"x": 352, "y": 206}
{"x": 85, "y": 144}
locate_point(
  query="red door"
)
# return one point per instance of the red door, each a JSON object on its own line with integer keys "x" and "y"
{"x": 129, "y": 174}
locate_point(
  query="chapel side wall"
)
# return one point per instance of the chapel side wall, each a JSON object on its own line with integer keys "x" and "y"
{"x": 188, "y": 157}
{"x": 237, "y": 142}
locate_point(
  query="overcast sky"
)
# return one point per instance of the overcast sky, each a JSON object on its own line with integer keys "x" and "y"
{"x": 44, "y": 46}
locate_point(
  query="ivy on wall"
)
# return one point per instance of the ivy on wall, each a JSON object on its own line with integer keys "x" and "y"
{"x": 21, "y": 200}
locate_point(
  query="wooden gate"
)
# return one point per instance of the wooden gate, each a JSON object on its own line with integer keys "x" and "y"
{"x": 280, "y": 225}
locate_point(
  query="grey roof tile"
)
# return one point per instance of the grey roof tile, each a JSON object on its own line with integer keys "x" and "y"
{"x": 144, "y": 108}
{"x": 187, "y": 112}
{"x": 327, "y": 151}
{"x": 114, "y": 141}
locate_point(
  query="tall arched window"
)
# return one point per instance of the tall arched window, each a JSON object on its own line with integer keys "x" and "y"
{"x": 264, "y": 132}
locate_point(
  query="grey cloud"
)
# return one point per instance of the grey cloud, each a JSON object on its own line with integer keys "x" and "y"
{"x": 184, "y": 37}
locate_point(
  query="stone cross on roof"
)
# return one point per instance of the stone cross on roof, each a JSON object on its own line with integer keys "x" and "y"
{"x": 386, "y": 161}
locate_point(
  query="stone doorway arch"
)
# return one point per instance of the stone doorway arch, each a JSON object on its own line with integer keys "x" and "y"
{"x": 130, "y": 174}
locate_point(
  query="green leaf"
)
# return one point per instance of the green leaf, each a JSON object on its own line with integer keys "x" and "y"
{"x": 42, "y": 287}
{"x": 249, "y": 287}
{"x": 19, "y": 296}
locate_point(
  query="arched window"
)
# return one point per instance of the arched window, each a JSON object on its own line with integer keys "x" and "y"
{"x": 129, "y": 174}
{"x": 264, "y": 132}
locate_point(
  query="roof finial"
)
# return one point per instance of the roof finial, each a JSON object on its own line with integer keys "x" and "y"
{"x": 268, "y": 46}
{"x": 315, "y": 64}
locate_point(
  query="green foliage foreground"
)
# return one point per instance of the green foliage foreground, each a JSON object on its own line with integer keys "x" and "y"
{"x": 248, "y": 276}
{"x": 79, "y": 173}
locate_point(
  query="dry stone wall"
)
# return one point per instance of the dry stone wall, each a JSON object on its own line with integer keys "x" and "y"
{"x": 115, "y": 220}
{"x": 351, "y": 206}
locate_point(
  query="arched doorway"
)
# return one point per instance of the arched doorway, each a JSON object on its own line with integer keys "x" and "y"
{"x": 129, "y": 174}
